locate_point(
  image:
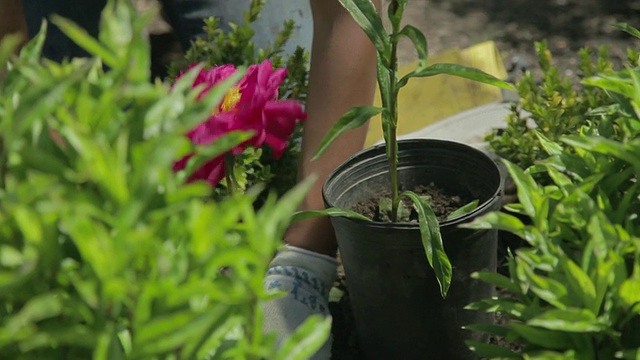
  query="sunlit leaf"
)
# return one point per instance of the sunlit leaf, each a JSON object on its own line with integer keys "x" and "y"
{"x": 604, "y": 146}
{"x": 366, "y": 16}
{"x": 462, "y": 71}
{"x": 630, "y": 292}
{"x": 353, "y": 119}
{"x": 551, "y": 147}
{"x": 498, "y": 220}
{"x": 568, "y": 320}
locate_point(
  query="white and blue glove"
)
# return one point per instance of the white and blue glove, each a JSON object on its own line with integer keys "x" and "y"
{"x": 306, "y": 277}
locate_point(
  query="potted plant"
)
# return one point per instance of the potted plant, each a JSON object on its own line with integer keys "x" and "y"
{"x": 414, "y": 194}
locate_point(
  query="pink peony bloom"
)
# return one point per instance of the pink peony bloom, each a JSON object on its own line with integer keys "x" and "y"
{"x": 252, "y": 105}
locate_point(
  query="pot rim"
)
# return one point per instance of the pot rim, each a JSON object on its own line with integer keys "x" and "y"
{"x": 380, "y": 148}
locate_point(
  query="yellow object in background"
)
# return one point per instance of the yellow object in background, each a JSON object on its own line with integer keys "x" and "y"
{"x": 424, "y": 101}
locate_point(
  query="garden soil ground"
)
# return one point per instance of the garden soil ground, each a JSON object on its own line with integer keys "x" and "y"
{"x": 514, "y": 25}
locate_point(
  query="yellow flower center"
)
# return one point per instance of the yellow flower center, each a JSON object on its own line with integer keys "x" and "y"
{"x": 230, "y": 100}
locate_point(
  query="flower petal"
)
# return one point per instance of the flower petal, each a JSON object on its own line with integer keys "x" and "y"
{"x": 182, "y": 163}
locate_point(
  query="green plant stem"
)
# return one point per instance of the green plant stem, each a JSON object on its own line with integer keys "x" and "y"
{"x": 229, "y": 176}
{"x": 3, "y": 164}
{"x": 393, "y": 113}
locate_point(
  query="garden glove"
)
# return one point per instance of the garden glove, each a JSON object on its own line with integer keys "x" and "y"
{"x": 306, "y": 277}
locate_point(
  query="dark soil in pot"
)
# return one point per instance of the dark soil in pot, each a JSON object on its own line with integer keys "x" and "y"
{"x": 442, "y": 202}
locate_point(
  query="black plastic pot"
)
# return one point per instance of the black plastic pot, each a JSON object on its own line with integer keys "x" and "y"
{"x": 398, "y": 310}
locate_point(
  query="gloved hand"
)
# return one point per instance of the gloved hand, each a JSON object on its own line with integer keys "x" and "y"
{"x": 306, "y": 277}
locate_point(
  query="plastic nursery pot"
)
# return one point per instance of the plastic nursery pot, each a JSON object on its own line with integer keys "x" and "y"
{"x": 398, "y": 310}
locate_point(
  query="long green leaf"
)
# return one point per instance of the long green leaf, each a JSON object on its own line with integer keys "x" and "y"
{"x": 353, "y": 119}
{"x": 568, "y": 320}
{"x": 627, "y": 28}
{"x": 364, "y": 13}
{"x": 580, "y": 284}
{"x": 546, "y": 338}
{"x": 551, "y": 147}
{"x": 220, "y": 146}
{"x": 279, "y": 216}
{"x": 38, "y": 308}
{"x": 498, "y": 280}
{"x": 464, "y": 209}
{"x": 337, "y": 212}
{"x": 168, "y": 332}
{"x": 526, "y": 186}
{"x": 604, "y": 146}
{"x": 611, "y": 82}
{"x": 306, "y": 340}
{"x": 8, "y": 46}
{"x": 81, "y": 37}
{"x": 546, "y": 288}
{"x": 498, "y": 220}
{"x": 419, "y": 42}
{"x": 32, "y": 51}
{"x": 432, "y": 241}
{"x": 460, "y": 71}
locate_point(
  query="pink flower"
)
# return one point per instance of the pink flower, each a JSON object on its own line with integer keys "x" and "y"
{"x": 252, "y": 105}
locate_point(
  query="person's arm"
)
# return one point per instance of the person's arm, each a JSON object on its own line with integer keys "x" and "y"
{"x": 343, "y": 75}
{"x": 12, "y": 19}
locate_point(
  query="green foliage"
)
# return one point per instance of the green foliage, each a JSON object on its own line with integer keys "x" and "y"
{"x": 366, "y": 16}
{"x": 236, "y": 47}
{"x": 104, "y": 252}
{"x": 554, "y": 106}
{"x": 575, "y": 292}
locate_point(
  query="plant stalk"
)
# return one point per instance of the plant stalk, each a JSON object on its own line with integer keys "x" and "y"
{"x": 393, "y": 113}
{"x": 229, "y": 176}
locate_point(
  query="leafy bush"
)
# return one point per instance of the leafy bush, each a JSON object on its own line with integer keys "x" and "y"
{"x": 552, "y": 105}
{"x": 104, "y": 252}
{"x": 575, "y": 293}
{"x": 236, "y": 47}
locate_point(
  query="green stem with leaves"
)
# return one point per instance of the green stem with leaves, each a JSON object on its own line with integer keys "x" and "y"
{"x": 393, "y": 114}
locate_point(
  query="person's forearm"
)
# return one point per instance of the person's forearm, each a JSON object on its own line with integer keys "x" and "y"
{"x": 12, "y": 19}
{"x": 342, "y": 76}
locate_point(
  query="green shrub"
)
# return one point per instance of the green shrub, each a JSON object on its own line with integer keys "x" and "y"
{"x": 575, "y": 292}
{"x": 552, "y": 105}
{"x": 105, "y": 253}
